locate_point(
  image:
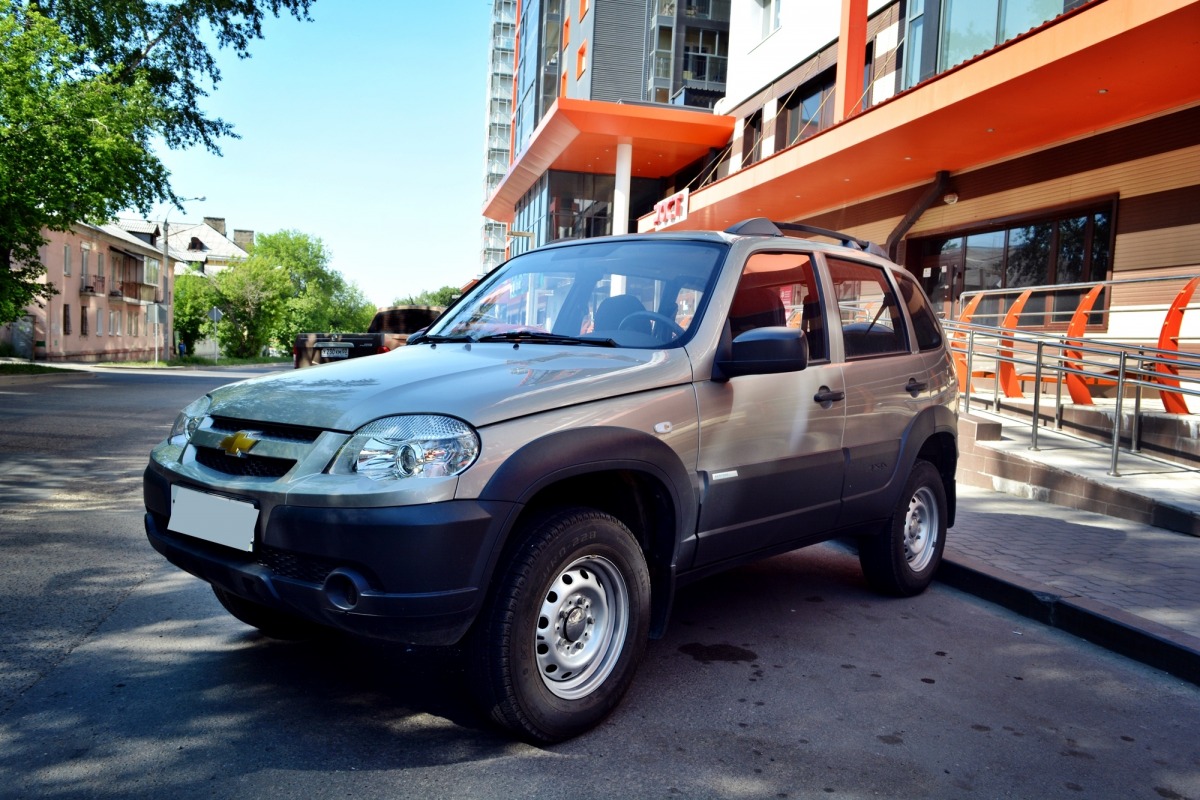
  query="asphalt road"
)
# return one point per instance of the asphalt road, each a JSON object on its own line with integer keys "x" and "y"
{"x": 122, "y": 677}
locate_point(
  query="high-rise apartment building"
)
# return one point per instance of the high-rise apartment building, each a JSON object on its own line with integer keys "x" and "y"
{"x": 611, "y": 98}
{"x": 498, "y": 122}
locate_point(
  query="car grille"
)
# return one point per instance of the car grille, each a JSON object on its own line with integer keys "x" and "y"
{"x": 281, "y": 433}
{"x": 295, "y": 566}
{"x": 244, "y": 466}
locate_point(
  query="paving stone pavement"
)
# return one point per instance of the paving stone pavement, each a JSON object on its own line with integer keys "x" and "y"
{"x": 1131, "y": 587}
{"x": 1146, "y": 571}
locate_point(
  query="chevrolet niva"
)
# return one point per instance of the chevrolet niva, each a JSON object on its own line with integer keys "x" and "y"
{"x": 594, "y": 424}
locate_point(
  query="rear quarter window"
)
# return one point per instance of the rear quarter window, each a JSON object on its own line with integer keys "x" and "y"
{"x": 925, "y": 324}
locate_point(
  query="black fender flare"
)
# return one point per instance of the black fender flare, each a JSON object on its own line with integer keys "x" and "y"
{"x": 930, "y": 422}
{"x": 573, "y": 453}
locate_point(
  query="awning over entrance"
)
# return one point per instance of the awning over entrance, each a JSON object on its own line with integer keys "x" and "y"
{"x": 583, "y": 136}
{"x": 1108, "y": 64}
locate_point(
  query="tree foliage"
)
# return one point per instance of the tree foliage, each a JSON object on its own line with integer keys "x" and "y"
{"x": 285, "y": 287}
{"x": 86, "y": 88}
{"x": 436, "y": 297}
{"x": 194, "y": 298}
{"x": 164, "y": 43}
{"x": 73, "y": 147}
{"x": 252, "y": 296}
{"x": 321, "y": 300}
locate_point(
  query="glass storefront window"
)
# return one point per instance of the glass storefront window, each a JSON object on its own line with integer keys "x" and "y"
{"x": 1068, "y": 248}
{"x": 1028, "y": 254}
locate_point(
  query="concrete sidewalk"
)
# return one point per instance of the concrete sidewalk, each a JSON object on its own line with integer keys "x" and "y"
{"x": 1129, "y": 586}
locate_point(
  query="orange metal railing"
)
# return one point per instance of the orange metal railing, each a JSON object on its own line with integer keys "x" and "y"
{"x": 1009, "y": 311}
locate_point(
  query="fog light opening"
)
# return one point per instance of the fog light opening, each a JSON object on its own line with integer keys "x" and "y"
{"x": 344, "y": 589}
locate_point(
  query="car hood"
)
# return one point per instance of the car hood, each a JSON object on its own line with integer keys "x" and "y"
{"x": 479, "y": 383}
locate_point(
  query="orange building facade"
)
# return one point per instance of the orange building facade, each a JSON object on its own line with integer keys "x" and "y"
{"x": 1061, "y": 147}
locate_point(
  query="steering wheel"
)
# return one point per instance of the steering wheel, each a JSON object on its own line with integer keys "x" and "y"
{"x": 661, "y": 322}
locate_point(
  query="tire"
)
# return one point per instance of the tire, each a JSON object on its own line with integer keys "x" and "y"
{"x": 270, "y": 622}
{"x": 903, "y": 559}
{"x": 559, "y": 639}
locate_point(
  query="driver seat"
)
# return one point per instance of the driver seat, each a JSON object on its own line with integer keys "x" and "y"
{"x": 613, "y": 311}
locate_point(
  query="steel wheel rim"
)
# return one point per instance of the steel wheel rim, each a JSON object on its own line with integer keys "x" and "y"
{"x": 921, "y": 527}
{"x": 581, "y": 627}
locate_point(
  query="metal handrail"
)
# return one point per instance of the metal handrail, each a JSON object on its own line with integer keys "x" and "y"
{"x": 1131, "y": 367}
{"x": 1050, "y": 289}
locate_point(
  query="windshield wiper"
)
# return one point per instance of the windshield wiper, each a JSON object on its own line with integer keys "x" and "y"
{"x": 543, "y": 337}
{"x": 437, "y": 338}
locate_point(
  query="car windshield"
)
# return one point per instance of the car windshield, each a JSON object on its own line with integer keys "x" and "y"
{"x": 642, "y": 293}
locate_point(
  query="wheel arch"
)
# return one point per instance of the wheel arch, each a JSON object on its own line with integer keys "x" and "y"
{"x": 629, "y": 474}
{"x": 933, "y": 437}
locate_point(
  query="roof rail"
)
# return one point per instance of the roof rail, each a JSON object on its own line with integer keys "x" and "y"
{"x": 761, "y": 226}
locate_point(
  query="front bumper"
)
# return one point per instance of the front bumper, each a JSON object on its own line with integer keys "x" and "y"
{"x": 413, "y": 574}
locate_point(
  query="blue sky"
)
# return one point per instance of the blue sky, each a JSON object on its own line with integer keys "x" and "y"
{"x": 363, "y": 128}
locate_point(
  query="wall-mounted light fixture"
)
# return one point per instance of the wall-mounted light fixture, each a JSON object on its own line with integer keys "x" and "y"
{"x": 950, "y": 199}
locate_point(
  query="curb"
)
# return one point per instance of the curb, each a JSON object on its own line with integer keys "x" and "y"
{"x": 1131, "y": 636}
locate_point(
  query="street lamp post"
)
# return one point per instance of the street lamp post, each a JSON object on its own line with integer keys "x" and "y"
{"x": 167, "y": 272}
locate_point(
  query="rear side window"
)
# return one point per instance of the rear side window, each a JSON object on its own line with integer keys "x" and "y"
{"x": 872, "y": 322}
{"x": 925, "y": 324}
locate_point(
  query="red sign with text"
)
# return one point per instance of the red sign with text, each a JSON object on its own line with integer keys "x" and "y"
{"x": 670, "y": 210}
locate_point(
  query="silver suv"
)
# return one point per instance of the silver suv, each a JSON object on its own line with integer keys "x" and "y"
{"x": 596, "y": 423}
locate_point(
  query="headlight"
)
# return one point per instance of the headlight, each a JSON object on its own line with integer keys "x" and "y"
{"x": 188, "y": 421}
{"x": 417, "y": 446}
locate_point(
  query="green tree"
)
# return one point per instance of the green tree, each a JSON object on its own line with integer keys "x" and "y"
{"x": 194, "y": 298}
{"x": 85, "y": 90}
{"x": 73, "y": 147}
{"x": 437, "y": 297}
{"x": 165, "y": 44}
{"x": 321, "y": 299}
{"x": 252, "y": 296}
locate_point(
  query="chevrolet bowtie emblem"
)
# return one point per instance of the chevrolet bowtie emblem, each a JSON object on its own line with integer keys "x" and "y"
{"x": 238, "y": 444}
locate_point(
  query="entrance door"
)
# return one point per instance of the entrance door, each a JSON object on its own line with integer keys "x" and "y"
{"x": 23, "y": 337}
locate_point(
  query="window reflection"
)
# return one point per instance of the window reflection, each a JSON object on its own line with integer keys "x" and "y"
{"x": 1072, "y": 248}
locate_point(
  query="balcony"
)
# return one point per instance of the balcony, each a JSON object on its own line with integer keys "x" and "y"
{"x": 91, "y": 284}
{"x": 707, "y": 9}
{"x": 704, "y": 71}
{"x": 662, "y": 64}
{"x": 142, "y": 294}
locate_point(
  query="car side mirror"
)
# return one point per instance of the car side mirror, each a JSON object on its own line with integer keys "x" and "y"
{"x": 765, "y": 351}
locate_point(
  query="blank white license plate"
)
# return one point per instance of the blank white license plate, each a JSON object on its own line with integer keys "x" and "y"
{"x": 335, "y": 352}
{"x": 212, "y": 518}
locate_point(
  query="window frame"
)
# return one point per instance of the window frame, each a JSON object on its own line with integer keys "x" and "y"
{"x": 896, "y": 322}
{"x": 581, "y": 59}
{"x": 810, "y": 279}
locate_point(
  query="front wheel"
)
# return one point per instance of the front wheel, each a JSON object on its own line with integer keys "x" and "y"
{"x": 903, "y": 559}
{"x": 559, "y": 640}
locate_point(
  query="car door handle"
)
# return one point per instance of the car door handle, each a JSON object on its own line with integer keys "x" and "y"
{"x": 827, "y": 397}
{"x": 915, "y": 387}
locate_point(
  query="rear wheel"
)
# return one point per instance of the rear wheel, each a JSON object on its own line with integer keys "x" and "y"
{"x": 903, "y": 560}
{"x": 270, "y": 622}
{"x": 559, "y": 640}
